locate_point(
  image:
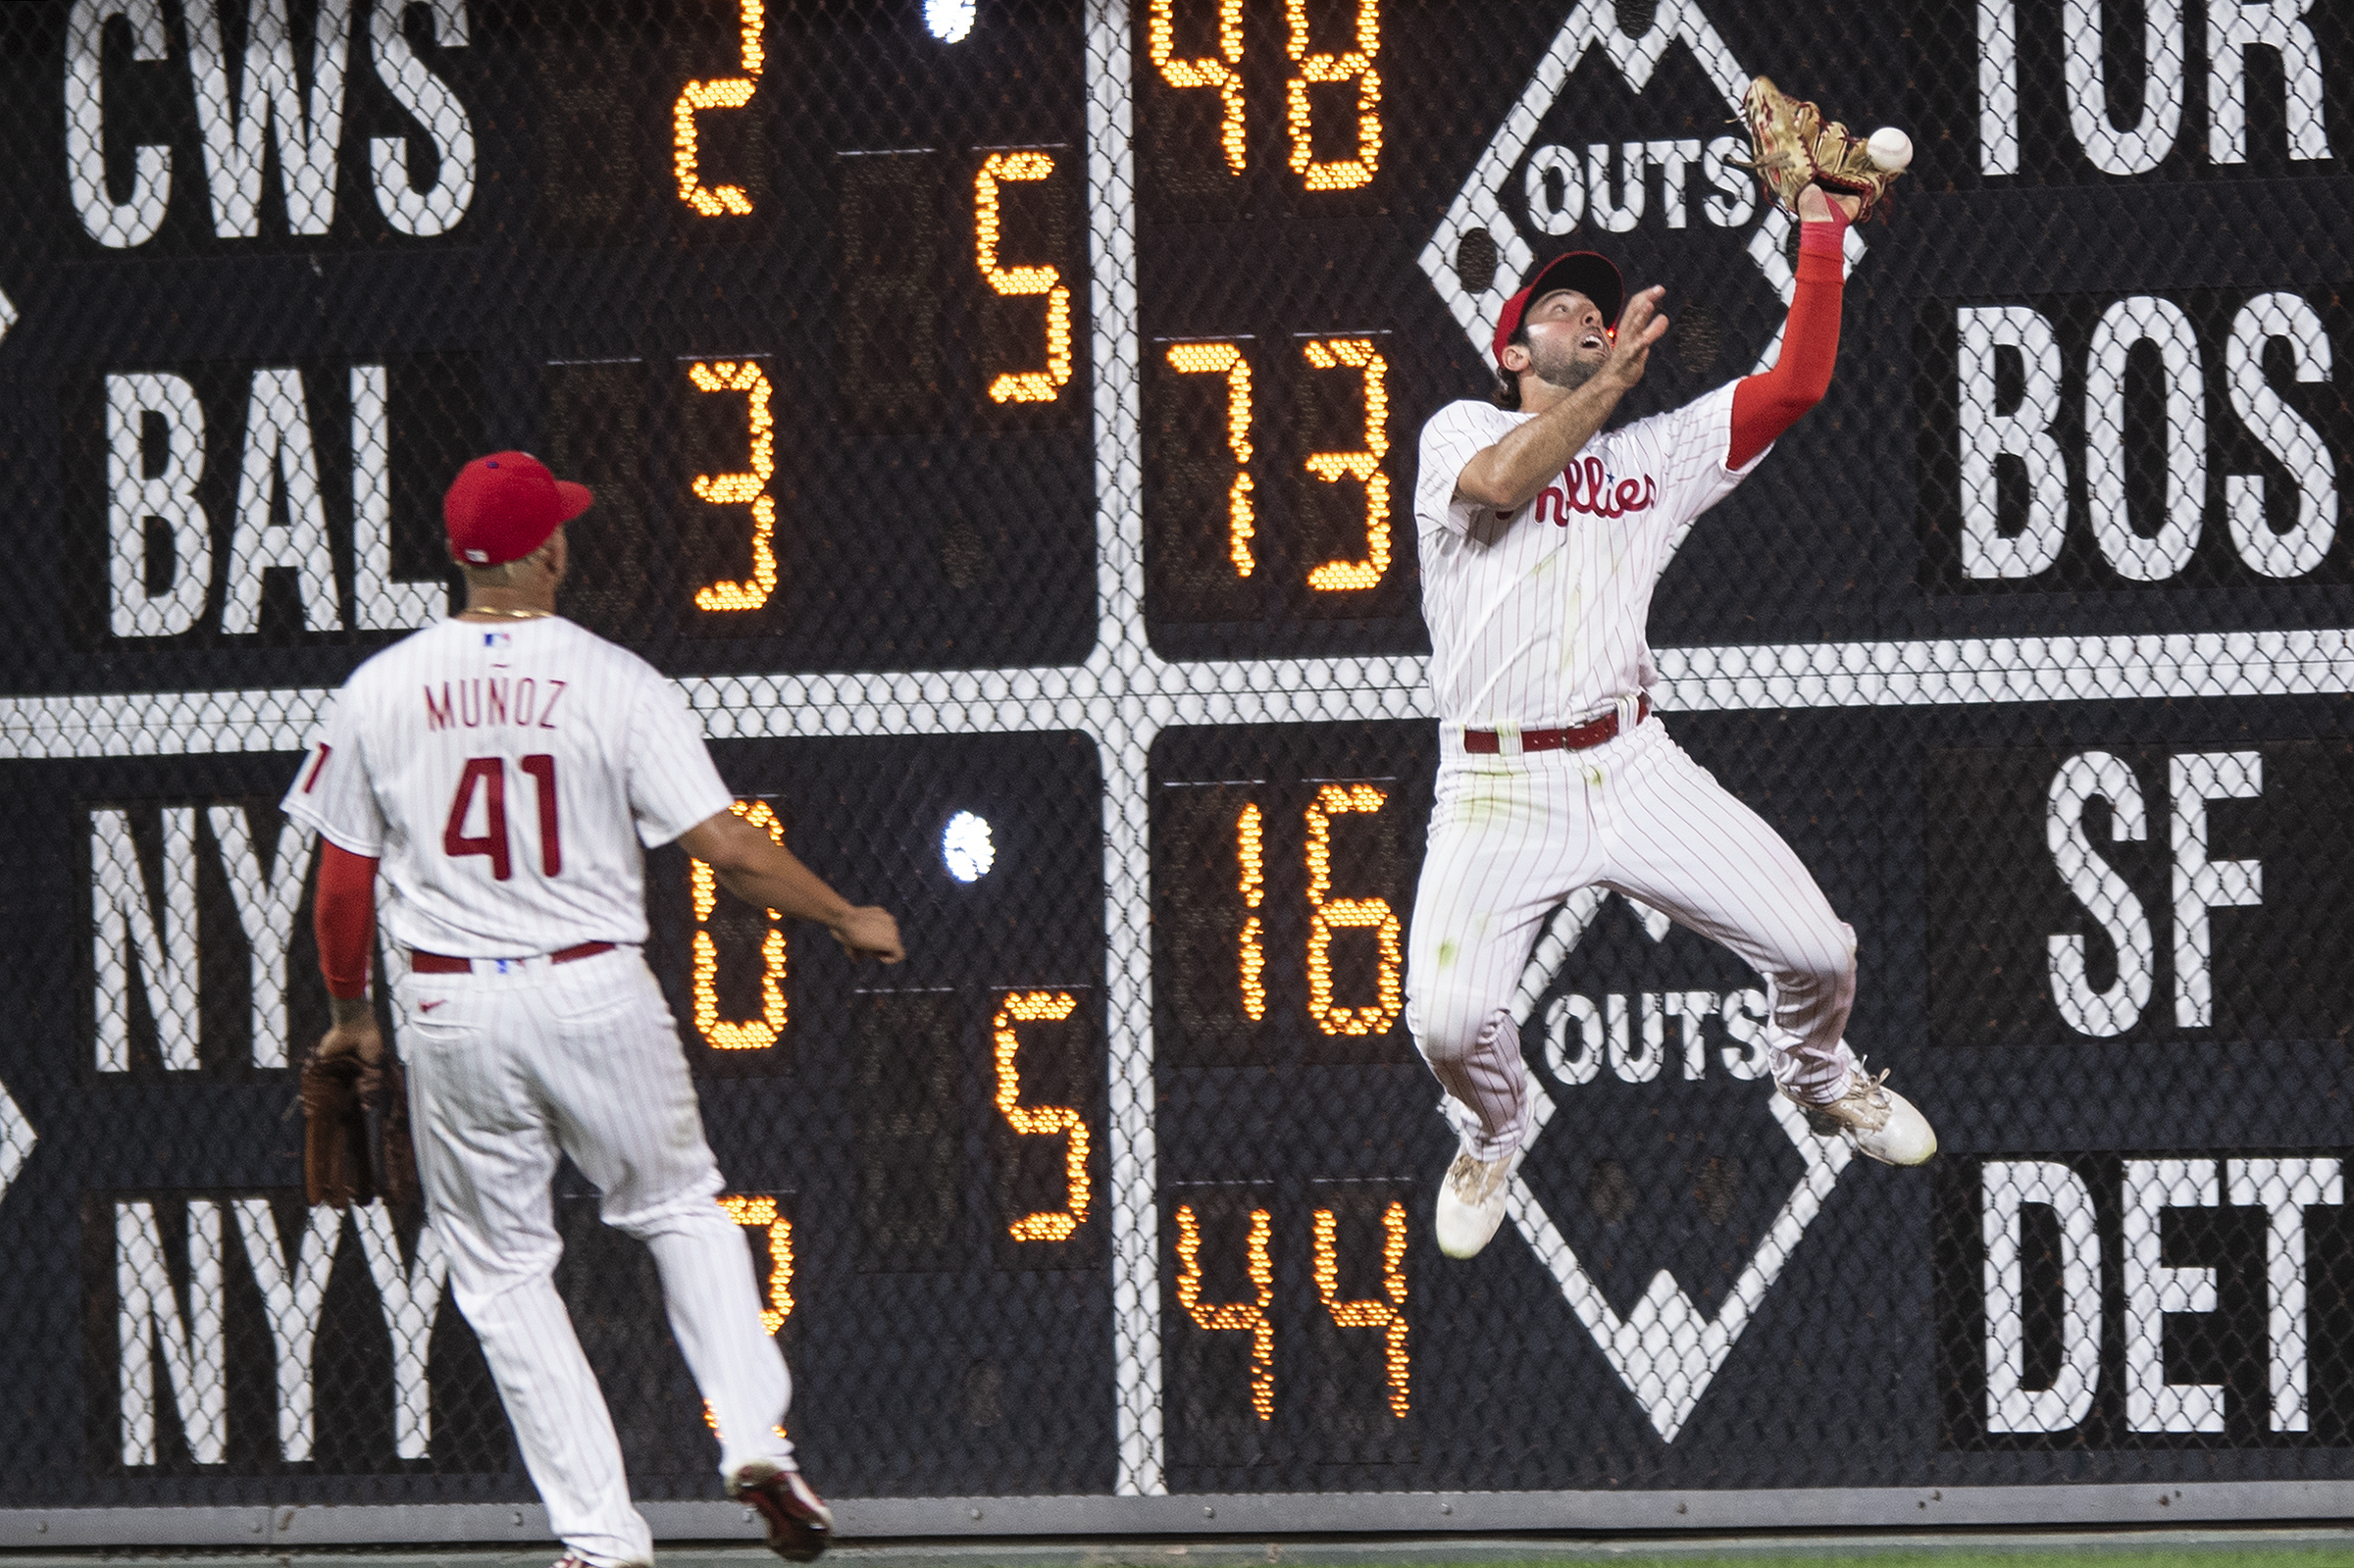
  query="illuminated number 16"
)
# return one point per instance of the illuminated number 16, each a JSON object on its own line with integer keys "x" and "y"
{"x": 1325, "y": 916}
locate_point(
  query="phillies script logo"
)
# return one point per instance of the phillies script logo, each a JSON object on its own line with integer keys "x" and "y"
{"x": 1584, "y": 488}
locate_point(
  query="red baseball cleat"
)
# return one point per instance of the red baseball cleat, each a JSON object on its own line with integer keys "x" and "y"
{"x": 799, "y": 1524}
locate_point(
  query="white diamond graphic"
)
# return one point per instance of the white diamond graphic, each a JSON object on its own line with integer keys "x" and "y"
{"x": 17, "y": 1139}
{"x": 1592, "y": 24}
{"x": 1665, "y": 1350}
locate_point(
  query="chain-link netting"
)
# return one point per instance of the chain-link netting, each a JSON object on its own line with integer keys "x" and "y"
{"x": 1003, "y": 420}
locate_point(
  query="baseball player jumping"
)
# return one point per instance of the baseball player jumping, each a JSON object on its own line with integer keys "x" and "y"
{"x": 504, "y": 773}
{"x": 1541, "y": 536}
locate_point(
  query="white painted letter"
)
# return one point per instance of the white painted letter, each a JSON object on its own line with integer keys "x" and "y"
{"x": 195, "y": 1350}
{"x": 169, "y": 498}
{"x": 2284, "y": 434}
{"x": 411, "y": 1298}
{"x": 2006, "y": 1187}
{"x": 381, "y": 601}
{"x": 2105, "y": 894}
{"x": 1981, "y": 336}
{"x": 1586, "y": 1065}
{"x": 2200, "y": 884}
{"x": 1551, "y": 215}
{"x": 2153, "y": 1289}
{"x": 2145, "y": 318}
{"x": 291, "y": 1299}
{"x": 2233, "y": 27}
{"x": 2143, "y": 145}
{"x": 1614, "y": 218}
{"x": 436, "y": 208}
{"x": 124, "y": 917}
{"x": 309, "y": 132}
{"x": 2285, "y": 1189}
{"x": 266, "y": 903}
{"x": 124, "y": 224}
{"x": 279, "y": 456}
{"x": 1750, "y": 1056}
{"x": 1998, "y": 87}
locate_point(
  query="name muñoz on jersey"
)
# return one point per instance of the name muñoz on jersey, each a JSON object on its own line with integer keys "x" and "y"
{"x": 1537, "y": 617}
{"x": 509, "y": 780}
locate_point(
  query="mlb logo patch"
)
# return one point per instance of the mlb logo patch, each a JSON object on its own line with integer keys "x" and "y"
{"x": 501, "y": 641}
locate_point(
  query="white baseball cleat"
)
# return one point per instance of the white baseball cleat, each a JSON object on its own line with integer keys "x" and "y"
{"x": 1877, "y": 1120}
{"x": 1471, "y": 1202}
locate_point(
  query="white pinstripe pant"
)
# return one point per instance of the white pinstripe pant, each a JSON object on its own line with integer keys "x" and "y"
{"x": 506, "y": 1072}
{"x": 1511, "y": 835}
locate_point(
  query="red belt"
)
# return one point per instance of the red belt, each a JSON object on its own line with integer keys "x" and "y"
{"x": 1578, "y": 737}
{"x": 424, "y": 963}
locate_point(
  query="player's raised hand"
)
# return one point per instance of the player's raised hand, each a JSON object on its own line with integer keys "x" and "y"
{"x": 1640, "y": 325}
{"x": 1815, "y": 205}
{"x": 869, "y": 931}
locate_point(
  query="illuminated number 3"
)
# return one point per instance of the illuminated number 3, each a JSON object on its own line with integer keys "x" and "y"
{"x": 1041, "y": 1121}
{"x": 738, "y": 489}
{"x": 1022, "y": 387}
{"x": 755, "y": 1034}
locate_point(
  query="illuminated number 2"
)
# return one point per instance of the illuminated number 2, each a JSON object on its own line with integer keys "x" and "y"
{"x": 755, "y": 1034}
{"x": 1357, "y": 353}
{"x": 1326, "y": 915}
{"x": 734, "y": 92}
{"x": 1224, "y": 73}
{"x": 1022, "y": 387}
{"x": 738, "y": 489}
{"x": 1041, "y": 1121}
{"x": 1233, "y": 1317}
{"x": 1339, "y": 174}
{"x": 1225, "y": 359}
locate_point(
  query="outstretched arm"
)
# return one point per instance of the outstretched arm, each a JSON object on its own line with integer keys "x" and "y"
{"x": 759, "y": 871}
{"x": 1767, "y": 404}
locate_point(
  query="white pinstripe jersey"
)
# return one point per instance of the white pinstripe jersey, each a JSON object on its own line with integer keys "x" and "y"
{"x": 506, "y": 775}
{"x": 1537, "y": 617}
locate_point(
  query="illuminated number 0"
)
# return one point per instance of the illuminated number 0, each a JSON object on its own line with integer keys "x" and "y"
{"x": 755, "y": 1034}
{"x": 488, "y": 776}
{"x": 1022, "y": 387}
{"x": 1041, "y": 1121}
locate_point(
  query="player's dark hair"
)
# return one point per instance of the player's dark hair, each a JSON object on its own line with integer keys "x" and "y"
{"x": 1507, "y": 391}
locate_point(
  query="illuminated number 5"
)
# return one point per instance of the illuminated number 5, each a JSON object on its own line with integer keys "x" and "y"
{"x": 755, "y": 1034}
{"x": 738, "y": 489}
{"x": 1356, "y": 353}
{"x": 1041, "y": 1121}
{"x": 1330, "y": 913}
{"x": 1022, "y": 387}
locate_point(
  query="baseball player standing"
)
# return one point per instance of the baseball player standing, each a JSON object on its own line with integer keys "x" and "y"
{"x": 504, "y": 771}
{"x": 1542, "y": 536}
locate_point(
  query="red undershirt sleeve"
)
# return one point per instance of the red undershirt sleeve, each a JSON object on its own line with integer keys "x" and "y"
{"x": 1767, "y": 404}
{"x": 345, "y": 917}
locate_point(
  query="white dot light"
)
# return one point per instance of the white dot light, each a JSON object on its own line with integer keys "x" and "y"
{"x": 965, "y": 847}
{"x": 950, "y": 21}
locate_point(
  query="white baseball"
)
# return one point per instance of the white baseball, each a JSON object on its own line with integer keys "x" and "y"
{"x": 1890, "y": 148}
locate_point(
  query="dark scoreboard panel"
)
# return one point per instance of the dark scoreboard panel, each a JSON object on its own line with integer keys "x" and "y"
{"x": 969, "y": 399}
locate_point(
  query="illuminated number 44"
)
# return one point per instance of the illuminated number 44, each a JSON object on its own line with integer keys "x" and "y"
{"x": 487, "y": 777}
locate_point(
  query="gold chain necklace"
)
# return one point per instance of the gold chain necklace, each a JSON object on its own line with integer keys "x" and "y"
{"x": 506, "y": 614}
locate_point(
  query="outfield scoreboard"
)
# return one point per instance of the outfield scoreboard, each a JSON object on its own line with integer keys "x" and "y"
{"x": 1002, "y": 419}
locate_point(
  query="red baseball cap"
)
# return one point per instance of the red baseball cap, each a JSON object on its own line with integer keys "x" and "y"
{"x": 502, "y": 507}
{"x": 1589, "y": 273}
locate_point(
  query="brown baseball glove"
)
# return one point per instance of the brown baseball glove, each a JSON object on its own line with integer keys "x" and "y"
{"x": 355, "y": 1134}
{"x": 1792, "y": 147}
